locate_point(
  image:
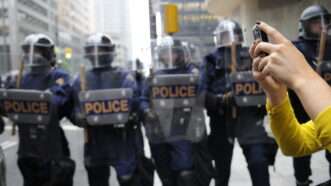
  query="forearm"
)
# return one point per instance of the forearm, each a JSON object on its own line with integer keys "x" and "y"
{"x": 314, "y": 94}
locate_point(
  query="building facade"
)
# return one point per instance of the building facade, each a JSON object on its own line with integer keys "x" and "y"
{"x": 74, "y": 22}
{"x": 20, "y": 18}
{"x": 113, "y": 18}
{"x": 196, "y": 23}
{"x": 284, "y": 15}
{"x": 66, "y": 22}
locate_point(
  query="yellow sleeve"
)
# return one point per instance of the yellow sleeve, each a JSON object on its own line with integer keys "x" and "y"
{"x": 323, "y": 128}
{"x": 293, "y": 139}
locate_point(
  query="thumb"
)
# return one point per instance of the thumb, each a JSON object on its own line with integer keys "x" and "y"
{"x": 269, "y": 84}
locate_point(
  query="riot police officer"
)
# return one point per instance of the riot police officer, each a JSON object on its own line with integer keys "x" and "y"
{"x": 313, "y": 20}
{"x": 107, "y": 144}
{"x": 43, "y": 153}
{"x": 228, "y": 120}
{"x": 168, "y": 122}
{"x": 147, "y": 167}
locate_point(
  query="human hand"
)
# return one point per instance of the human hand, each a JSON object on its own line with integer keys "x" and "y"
{"x": 275, "y": 90}
{"x": 283, "y": 63}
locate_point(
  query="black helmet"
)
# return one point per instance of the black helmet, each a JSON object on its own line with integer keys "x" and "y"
{"x": 227, "y": 32}
{"x": 99, "y": 49}
{"x": 312, "y": 13}
{"x": 38, "y": 50}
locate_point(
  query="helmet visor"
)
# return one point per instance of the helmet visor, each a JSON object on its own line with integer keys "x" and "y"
{"x": 227, "y": 34}
{"x": 99, "y": 56}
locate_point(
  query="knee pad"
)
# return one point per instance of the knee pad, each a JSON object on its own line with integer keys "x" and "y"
{"x": 185, "y": 173}
{"x": 186, "y": 178}
{"x": 126, "y": 178}
{"x": 63, "y": 171}
{"x": 129, "y": 180}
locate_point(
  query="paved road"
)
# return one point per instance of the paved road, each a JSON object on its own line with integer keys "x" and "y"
{"x": 283, "y": 174}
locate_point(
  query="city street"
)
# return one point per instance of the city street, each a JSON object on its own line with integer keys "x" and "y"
{"x": 280, "y": 175}
{"x": 112, "y": 62}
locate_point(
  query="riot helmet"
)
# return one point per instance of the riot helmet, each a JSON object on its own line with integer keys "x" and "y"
{"x": 171, "y": 54}
{"x": 227, "y": 32}
{"x": 313, "y": 20}
{"x": 99, "y": 50}
{"x": 38, "y": 52}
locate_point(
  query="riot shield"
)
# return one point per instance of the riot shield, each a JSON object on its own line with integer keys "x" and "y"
{"x": 27, "y": 106}
{"x": 324, "y": 69}
{"x": 178, "y": 106}
{"x": 106, "y": 107}
{"x": 247, "y": 91}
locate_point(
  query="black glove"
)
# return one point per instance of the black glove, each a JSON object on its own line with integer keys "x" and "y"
{"x": 225, "y": 99}
{"x": 80, "y": 120}
{"x": 150, "y": 116}
{"x": 2, "y": 125}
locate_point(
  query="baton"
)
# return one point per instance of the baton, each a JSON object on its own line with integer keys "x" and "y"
{"x": 18, "y": 85}
{"x": 322, "y": 47}
{"x": 83, "y": 87}
{"x": 233, "y": 70}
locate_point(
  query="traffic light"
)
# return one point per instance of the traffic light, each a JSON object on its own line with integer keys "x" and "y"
{"x": 68, "y": 53}
{"x": 171, "y": 24}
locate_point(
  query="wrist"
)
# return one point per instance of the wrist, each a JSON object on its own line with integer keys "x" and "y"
{"x": 276, "y": 98}
{"x": 302, "y": 83}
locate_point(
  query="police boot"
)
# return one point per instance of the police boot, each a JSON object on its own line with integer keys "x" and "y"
{"x": 130, "y": 180}
{"x": 186, "y": 178}
{"x": 306, "y": 183}
{"x": 168, "y": 179}
{"x": 327, "y": 183}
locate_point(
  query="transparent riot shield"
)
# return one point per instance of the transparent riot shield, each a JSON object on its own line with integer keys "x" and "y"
{"x": 27, "y": 106}
{"x": 178, "y": 106}
{"x": 106, "y": 107}
{"x": 227, "y": 33}
{"x": 247, "y": 91}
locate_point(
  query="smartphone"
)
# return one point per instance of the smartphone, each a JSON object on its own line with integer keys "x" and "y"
{"x": 259, "y": 34}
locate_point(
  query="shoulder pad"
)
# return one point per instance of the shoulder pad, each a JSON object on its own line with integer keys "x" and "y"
{"x": 211, "y": 57}
{"x": 297, "y": 42}
{"x": 300, "y": 44}
{"x": 59, "y": 72}
{"x": 195, "y": 71}
{"x": 60, "y": 76}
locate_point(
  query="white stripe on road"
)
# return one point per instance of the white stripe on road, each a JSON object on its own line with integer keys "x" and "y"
{"x": 8, "y": 144}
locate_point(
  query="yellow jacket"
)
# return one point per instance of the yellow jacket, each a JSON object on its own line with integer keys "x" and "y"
{"x": 295, "y": 139}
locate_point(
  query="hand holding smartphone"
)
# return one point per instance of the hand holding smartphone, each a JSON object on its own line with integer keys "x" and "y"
{"x": 259, "y": 36}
